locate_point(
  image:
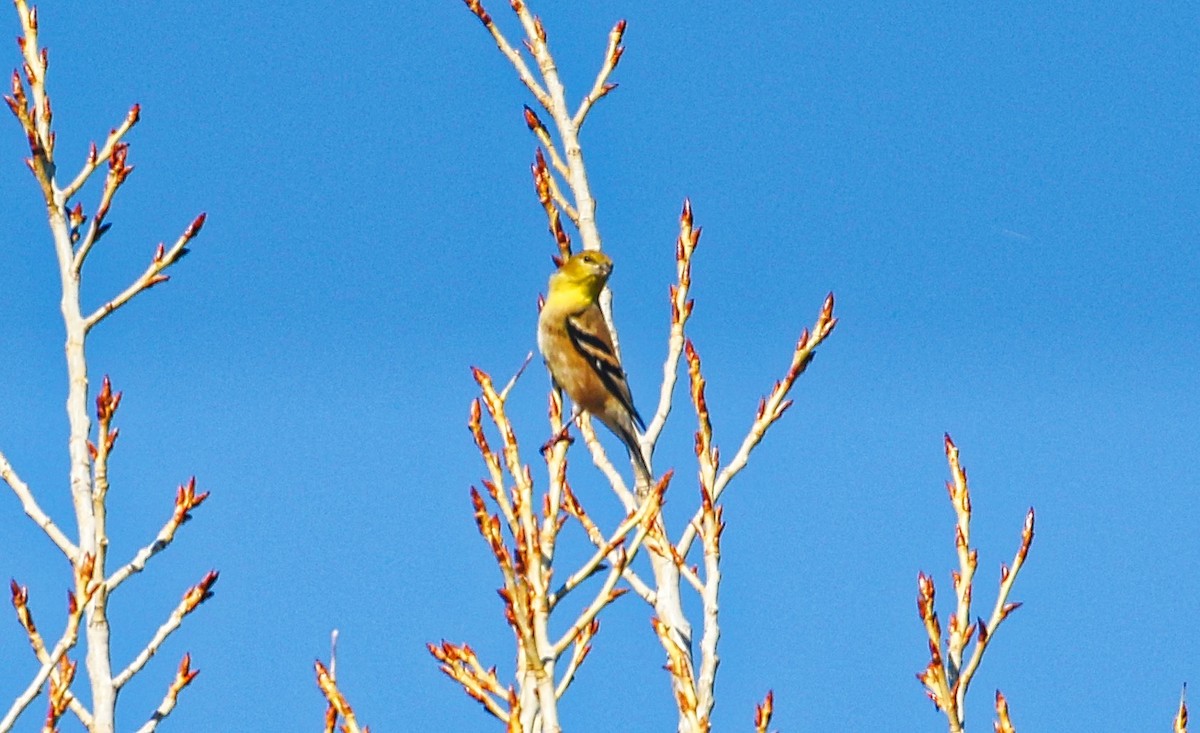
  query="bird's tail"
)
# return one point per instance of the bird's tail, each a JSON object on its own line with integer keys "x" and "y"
{"x": 644, "y": 477}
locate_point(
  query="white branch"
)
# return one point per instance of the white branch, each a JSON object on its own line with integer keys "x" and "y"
{"x": 30, "y": 505}
{"x": 35, "y": 687}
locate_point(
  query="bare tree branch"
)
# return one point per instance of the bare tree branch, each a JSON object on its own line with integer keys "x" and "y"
{"x": 163, "y": 259}
{"x": 73, "y": 239}
{"x": 195, "y": 595}
{"x": 34, "y": 512}
{"x": 183, "y": 677}
{"x": 186, "y": 499}
{"x": 946, "y": 678}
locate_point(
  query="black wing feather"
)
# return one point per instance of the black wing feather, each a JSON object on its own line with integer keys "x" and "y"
{"x": 597, "y": 349}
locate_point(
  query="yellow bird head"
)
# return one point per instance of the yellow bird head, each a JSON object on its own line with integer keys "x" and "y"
{"x": 583, "y": 274}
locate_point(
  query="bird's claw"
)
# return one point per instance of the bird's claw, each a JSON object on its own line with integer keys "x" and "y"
{"x": 557, "y": 438}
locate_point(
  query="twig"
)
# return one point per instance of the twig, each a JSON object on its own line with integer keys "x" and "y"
{"x": 934, "y": 676}
{"x": 552, "y": 200}
{"x": 512, "y": 382}
{"x": 604, "y": 596}
{"x": 118, "y": 171}
{"x": 34, "y": 511}
{"x": 337, "y": 700}
{"x": 60, "y": 694}
{"x": 513, "y": 55}
{"x": 770, "y": 409}
{"x": 582, "y": 647}
{"x": 679, "y": 666}
{"x": 607, "y": 550}
{"x": 601, "y": 87}
{"x": 49, "y": 660}
{"x": 643, "y": 519}
{"x": 706, "y": 682}
{"x": 1181, "y": 716}
{"x": 459, "y": 663}
{"x": 186, "y": 499}
{"x": 534, "y": 123}
{"x": 35, "y": 119}
{"x": 1002, "y": 608}
{"x": 553, "y": 517}
{"x": 96, "y": 157}
{"x": 331, "y": 711}
{"x": 553, "y": 99}
{"x": 195, "y": 595}
{"x": 491, "y": 459}
{"x": 1003, "y": 723}
{"x": 681, "y": 310}
{"x": 163, "y": 259}
{"x": 183, "y": 677}
{"x": 575, "y": 509}
{"x": 526, "y": 571}
{"x": 947, "y": 677}
{"x": 763, "y": 712}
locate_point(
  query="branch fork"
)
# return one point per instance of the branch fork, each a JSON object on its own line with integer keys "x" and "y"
{"x": 950, "y": 670}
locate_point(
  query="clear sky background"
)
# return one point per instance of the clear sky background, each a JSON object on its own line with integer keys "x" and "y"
{"x": 1004, "y": 201}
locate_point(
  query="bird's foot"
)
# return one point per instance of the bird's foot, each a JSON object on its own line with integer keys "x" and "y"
{"x": 557, "y": 438}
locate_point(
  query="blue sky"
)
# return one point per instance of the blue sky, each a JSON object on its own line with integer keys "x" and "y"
{"x": 1003, "y": 200}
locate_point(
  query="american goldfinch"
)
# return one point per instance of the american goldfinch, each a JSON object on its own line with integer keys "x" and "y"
{"x": 578, "y": 348}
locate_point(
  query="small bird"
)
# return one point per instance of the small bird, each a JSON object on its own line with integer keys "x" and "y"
{"x": 578, "y": 349}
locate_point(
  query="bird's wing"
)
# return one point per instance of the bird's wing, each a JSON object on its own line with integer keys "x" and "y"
{"x": 591, "y": 338}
